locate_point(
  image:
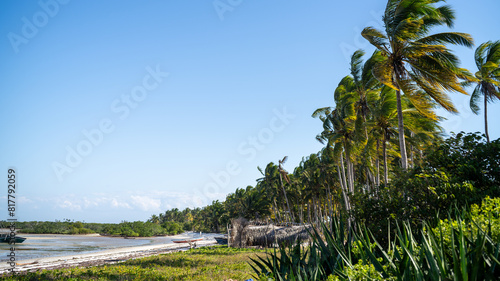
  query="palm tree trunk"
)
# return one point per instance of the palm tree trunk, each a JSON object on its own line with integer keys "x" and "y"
{"x": 286, "y": 199}
{"x": 315, "y": 212}
{"x": 350, "y": 174}
{"x": 330, "y": 204}
{"x": 343, "y": 187}
{"x": 378, "y": 163}
{"x": 276, "y": 211}
{"x": 401, "y": 129}
{"x": 486, "y": 119}
{"x": 320, "y": 211}
{"x": 369, "y": 176}
{"x": 344, "y": 179}
{"x": 301, "y": 213}
{"x": 309, "y": 211}
{"x": 411, "y": 163}
{"x": 384, "y": 150}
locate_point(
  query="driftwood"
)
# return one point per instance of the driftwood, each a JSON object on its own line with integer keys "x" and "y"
{"x": 244, "y": 234}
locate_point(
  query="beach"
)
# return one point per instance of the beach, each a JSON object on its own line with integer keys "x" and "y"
{"x": 108, "y": 256}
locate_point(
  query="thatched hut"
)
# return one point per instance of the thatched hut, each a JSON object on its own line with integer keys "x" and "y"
{"x": 243, "y": 234}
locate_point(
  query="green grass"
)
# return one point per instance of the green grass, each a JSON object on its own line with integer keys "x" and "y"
{"x": 207, "y": 263}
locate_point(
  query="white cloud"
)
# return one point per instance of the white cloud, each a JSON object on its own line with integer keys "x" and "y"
{"x": 66, "y": 204}
{"x": 146, "y": 203}
{"x": 116, "y": 204}
{"x": 24, "y": 200}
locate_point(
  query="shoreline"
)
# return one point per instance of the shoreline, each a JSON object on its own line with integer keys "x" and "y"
{"x": 110, "y": 256}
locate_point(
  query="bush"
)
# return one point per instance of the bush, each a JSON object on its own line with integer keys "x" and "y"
{"x": 484, "y": 218}
{"x": 459, "y": 171}
{"x": 172, "y": 227}
{"x": 468, "y": 157}
{"x": 338, "y": 255}
{"x": 413, "y": 197}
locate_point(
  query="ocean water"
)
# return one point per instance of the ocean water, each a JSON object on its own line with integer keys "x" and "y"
{"x": 52, "y": 245}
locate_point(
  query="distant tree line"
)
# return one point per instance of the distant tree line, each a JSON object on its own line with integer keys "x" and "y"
{"x": 127, "y": 229}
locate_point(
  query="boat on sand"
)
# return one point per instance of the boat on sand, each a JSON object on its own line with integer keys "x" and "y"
{"x": 6, "y": 238}
{"x": 188, "y": 240}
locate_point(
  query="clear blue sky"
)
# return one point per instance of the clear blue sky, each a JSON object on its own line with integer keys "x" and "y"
{"x": 116, "y": 110}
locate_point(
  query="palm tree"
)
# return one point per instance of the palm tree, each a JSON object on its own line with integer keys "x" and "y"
{"x": 413, "y": 60}
{"x": 284, "y": 175}
{"x": 359, "y": 88}
{"x": 383, "y": 123}
{"x": 487, "y": 58}
{"x": 270, "y": 182}
{"x": 339, "y": 133}
{"x": 154, "y": 219}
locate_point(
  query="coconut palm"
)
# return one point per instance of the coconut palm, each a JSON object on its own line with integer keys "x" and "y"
{"x": 421, "y": 130}
{"x": 383, "y": 124}
{"x": 487, "y": 58}
{"x": 271, "y": 183}
{"x": 339, "y": 134}
{"x": 154, "y": 219}
{"x": 413, "y": 59}
{"x": 284, "y": 176}
{"x": 359, "y": 88}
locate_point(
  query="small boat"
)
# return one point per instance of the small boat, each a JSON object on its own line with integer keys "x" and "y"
{"x": 222, "y": 240}
{"x": 188, "y": 240}
{"x": 5, "y": 238}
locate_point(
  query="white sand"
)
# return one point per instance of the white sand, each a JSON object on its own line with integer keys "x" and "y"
{"x": 102, "y": 257}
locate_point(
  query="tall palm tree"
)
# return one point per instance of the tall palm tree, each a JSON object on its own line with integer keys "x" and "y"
{"x": 339, "y": 133}
{"x": 284, "y": 175}
{"x": 413, "y": 59}
{"x": 487, "y": 58}
{"x": 383, "y": 123}
{"x": 271, "y": 182}
{"x": 359, "y": 88}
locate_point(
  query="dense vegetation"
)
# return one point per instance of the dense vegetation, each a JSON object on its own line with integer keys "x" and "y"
{"x": 466, "y": 248}
{"x": 130, "y": 229}
{"x": 208, "y": 263}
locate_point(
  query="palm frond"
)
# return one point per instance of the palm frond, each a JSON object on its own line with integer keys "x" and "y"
{"x": 376, "y": 38}
{"x": 455, "y": 38}
{"x": 383, "y": 71}
{"x": 474, "y": 99}
{"x": 356, "y": 65}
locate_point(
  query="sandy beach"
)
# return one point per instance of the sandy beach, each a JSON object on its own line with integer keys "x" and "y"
{"x": 109, "y": 256}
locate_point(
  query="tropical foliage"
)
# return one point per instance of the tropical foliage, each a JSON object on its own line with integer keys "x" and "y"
{"x": 414, "y": 62}
{"x": 455, "y": 251}
{"x": 487, "y": 79}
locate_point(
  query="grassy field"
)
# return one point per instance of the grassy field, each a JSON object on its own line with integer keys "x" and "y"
{"x": 207, "y": 263}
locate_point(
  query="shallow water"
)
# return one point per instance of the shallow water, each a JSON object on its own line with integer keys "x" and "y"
{"x": 52, "y": 245}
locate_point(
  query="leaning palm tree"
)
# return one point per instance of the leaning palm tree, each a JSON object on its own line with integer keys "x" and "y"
{"x": 383, "y": 124}
{"x": 284, "y": 175}
{"x": 359, "y": 88}
{"x": 413, "y": 60}
{"x": 487, "y": 79}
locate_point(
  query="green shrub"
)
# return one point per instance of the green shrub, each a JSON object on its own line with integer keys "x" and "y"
{"x": 336, "y": 255}
{"x": 482, "y": 218}
{"x": 173, "y": 227}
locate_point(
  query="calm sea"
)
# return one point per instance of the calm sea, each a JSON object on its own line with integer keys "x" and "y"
{"x": 51, "y": 245}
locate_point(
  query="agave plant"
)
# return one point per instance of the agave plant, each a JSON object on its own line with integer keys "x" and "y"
{"x": 334, "y": 256}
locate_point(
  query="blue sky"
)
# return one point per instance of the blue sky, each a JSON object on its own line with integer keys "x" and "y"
{"x": 116, "y": 110}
